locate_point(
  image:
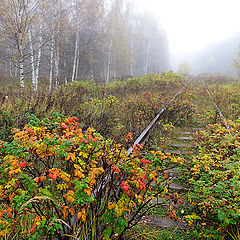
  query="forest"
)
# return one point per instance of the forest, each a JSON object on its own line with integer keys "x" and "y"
{"x": 60, "y": 41}
{"x": 100, "y": 140}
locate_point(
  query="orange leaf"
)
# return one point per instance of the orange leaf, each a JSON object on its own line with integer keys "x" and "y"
{"x": 111, "y": 205}
{"x": 79, "y": 215}
{"x": 70, "y": 196}
{"x": 43, "y": 178}
{"x": 71, "y": 211}
{"x": 36, "y": 180}
{"x": 65, "y": 212}
{"x": 84, "y": 215}
{"x": 12, "y": 196}
{"x": 88, "y": 191}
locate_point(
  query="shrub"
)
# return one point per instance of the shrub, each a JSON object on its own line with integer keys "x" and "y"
{"x": 53, "y": 172}
{"x": 125, "y": 106}
{"x": 164, "y": 82}
{"x": 214, "y": 177}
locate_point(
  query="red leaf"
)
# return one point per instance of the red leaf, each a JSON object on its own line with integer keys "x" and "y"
{"x": 53, "y": 175}
{"x": 23, "y": 164}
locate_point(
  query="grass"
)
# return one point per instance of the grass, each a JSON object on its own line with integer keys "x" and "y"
{"x": 143, "y": 232}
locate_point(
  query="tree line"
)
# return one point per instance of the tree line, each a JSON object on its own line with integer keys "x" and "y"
{"x": 59, "y": 41}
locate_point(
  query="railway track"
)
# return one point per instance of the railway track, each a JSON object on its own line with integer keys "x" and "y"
{"x": 145, "y": 135}
{"x": 217, "y": 108}
{"x": 143, "y": 139}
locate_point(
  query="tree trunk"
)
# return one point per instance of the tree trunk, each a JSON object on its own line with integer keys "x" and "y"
{"x": 147, "y": 59}
{"x": 21, "y": 75}
{"x": 131, "y": 70}
{"x": 92, "y": 76}
{"x": 38, "y": 57}
{"x": 75, "y": 57}
{"x": 9, "y": 62}
{"x": 51, "y": 63}
{"x": 15, "y": 71}
{"x": 32, "y": 62}
{"x": 109, "y": 58}
{"x": 57, "y": 67}
{"x": 78, "y": 60}
{"x": 6, "y": 68}
{"x": 21, "y": 71}
{"x": 10, "y": 67}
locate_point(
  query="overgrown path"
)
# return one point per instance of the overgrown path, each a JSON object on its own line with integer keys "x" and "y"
{"x": 182, "y": 143}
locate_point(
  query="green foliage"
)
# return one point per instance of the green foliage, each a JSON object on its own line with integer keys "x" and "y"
{"x": 113, "y": 110}
{"x": 154, "y": 82}
{"x": 214, "y": 178}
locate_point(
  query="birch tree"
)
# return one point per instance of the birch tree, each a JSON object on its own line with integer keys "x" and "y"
{"x": 16, "y": 16}
{"x": 75, "y": 57}
{"x": 36, "y": 46}
{"x": 114, "y": 20}
{"x": 51, "y": 61}
{"x": 63, "y": 41}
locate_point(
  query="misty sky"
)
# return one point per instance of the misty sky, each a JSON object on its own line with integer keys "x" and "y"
{"x": 192, "y": 25}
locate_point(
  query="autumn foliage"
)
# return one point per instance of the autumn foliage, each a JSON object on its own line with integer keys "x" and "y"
{"x": 55, "y": 177}
{"x": 214, "y": 179}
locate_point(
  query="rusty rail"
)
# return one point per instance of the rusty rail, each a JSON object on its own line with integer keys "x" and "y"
{"x": 144, "y": 136}
{"x": 217, "y": 108}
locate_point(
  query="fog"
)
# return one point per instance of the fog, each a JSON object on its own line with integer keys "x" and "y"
{"x": 205, "y": 33}
{"x": 215, "y": 58}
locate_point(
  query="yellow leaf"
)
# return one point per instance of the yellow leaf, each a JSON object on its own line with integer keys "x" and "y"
{"x": 72, "y": 155}
{"x": 83, "y": 218}
{"x": 36, "y": 180}
{"x": 111, "y": 205}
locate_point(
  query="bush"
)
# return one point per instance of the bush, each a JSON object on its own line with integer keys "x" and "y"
{"x": 214, "y": 177}
{"x": 53, "y": 172}
{"x": 164, "y": 82}
{"x": 119, "y": 107}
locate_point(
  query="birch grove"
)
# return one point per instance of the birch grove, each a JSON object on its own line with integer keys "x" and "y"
{"x": 60, "y": 41}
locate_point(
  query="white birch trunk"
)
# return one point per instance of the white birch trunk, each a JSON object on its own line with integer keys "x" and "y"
{"x": 115, "y": 70}
{"x": 75, "y": 57}
{"x": 21, "y": 71}
{"x": 21, "y": 76}
{"x": 51, "y": 63}
{"x": 64, "y": 73}
{"x": 57, "y": 67}
{"x": 16, "y": 71}
{"x": 131, "y": 70}
{"x": 78, "y": 60}
{"x": 147, "y": 59}
{"x": 109, "y": 58}
{"x": 92, "y": 77}
{"x": 38, "y": 57}
{"x": 32, "y": 62}
{"x": 10, "y": 67}
{"x": 10, "y": 62}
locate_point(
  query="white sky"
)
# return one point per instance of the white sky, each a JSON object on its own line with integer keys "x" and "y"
{"x": 194, "y": 24}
